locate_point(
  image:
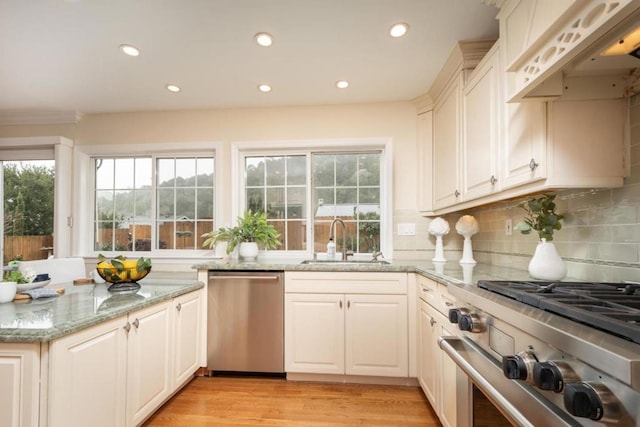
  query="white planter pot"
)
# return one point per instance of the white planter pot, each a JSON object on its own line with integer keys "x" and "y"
{"x": 248, "y": 251}
{"x": 7, "y": 291}
{"x": 546, "y": 263}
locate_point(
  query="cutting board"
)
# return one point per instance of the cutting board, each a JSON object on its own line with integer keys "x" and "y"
{"x": 19, "y": 297}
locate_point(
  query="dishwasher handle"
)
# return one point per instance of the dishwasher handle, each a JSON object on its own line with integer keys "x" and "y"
{"x": 249, "y": 277}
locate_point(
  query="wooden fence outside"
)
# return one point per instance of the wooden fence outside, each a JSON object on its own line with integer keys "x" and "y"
{"x": 28, "y": 247}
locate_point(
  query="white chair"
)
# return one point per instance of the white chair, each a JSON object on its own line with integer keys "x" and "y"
{"x": 60, "y": 270}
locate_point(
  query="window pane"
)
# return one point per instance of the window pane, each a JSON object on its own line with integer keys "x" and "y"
{"x": 369, "y": 195}
{"x": 323, "y": 170}
{"x": 205, "y": 203}
{"x": 369, "y": 169}
{"x": 255, "y": 199}
{"x": 185, "y": 172}
{"x": 348, "y": 198}
{"x": 185, "y": 203}
{"x": 143, "y": 174}
{"x": 296, "y": 170}
{"x": 185, "y": 236}
{"x": 346, "y": 169}
{"x": 296, "y": 202}
{"x": 124, "y": 205}
{"x": 254, "y": 170}
{"x": 104, "y": 173}
{"x": 165, "y": 171}
{"x": 143, "y": 204}
{"x": 166, "y": 204}
{"x": 276, "y": 205}
{"x": 275, "y": 170}
{"x": 124, "y": 173}
{"x": 204, "y": 168}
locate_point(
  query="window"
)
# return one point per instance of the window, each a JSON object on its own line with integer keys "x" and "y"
{"x": 135, "y": 212}
{"x": 344, "y": 185}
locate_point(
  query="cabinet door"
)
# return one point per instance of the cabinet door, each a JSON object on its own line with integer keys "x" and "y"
{"x": 186, "y": 346}
{"x": 480, "y": 130}
{"x": 314, "y": 333}
{"x": 446, "y": 140}
{"x": 425, "y": 161}
{"x": 149, "y": 362}
{"x": 448, "y": 372}
{"x": 20, "y": 379}
{"x": 376, "y": 335}
{"x": 87, "y": 379}
{"x": 428, "y": 354}
{"x": 524, "y": 144}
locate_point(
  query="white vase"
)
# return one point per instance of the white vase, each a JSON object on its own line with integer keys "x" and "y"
{"x": 439, "y": 255}
{"x": 467, "y": 252}
{"x": 248, "y": 251}
{"x": 546, "y": 263}
{"x": 7, "y": 291}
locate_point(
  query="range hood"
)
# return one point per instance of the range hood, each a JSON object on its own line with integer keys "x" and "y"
{"x": 593, "y": 53}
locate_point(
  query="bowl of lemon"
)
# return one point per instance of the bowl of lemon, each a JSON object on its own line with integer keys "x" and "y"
{"x": 122, "y": 273}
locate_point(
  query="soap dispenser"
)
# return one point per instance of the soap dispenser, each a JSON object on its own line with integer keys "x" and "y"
{"x": 331, "y": 249}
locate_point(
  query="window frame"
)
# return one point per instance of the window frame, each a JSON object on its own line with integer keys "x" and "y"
{"x": 240, "y": 150}
{"x": 84, "y": 191}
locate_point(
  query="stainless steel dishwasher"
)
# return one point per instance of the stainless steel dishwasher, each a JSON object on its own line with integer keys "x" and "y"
{"x": 245, "y": 326}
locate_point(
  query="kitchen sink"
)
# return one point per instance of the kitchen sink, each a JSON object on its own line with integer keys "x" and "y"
{"x": 348, "y": 262}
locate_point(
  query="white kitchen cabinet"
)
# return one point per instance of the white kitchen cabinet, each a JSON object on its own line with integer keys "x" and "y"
{"x": 20, "y": 376}
{"x": 314, "y": 333}
{"x": 446, "y": 144}
{"x": 425, "y": 161}
{"x": 437, "y": 373}
{"x": 149, "y": 360}
{"x": 88, "y": 377}
{"x": 186, "y": 338}
{"x": 120, "y": 371}
{"x": 346, "y": 323}
{"x": 481, "y": 129}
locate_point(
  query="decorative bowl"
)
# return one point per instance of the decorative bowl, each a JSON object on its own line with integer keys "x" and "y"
{"x": 33, "y": 285}
{"x": 126, "y": 275}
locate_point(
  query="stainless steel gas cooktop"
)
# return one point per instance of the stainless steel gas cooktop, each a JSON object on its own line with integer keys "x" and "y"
{"x": 610, "y": 307}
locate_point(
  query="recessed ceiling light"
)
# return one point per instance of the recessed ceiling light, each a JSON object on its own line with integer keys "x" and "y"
{"x": 342, "y": 84}
{"x": 264, "y": 39}
{"x": 398, "y": 30}
{"x": 173, "y": 88}
{"x": 129, "y": 50}
{"x": 264, "y": 88}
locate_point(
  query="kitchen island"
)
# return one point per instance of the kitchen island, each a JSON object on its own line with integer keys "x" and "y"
{"x": 91, "y": 357}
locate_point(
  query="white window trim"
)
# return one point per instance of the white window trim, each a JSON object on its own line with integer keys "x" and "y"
{"x": 385, "y": 145}
{"x": 84, "y": 191}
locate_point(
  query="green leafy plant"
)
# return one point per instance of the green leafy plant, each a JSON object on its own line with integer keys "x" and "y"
{"x": 541, "y": 217}
{"x": 15, "y": 276}
{"x": 252, "y": 227}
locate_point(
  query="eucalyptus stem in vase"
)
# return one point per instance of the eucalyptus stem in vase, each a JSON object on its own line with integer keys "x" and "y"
{"x": 541, "y": 217}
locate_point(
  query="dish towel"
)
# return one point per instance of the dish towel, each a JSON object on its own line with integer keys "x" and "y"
{"x": 40, "y": 293}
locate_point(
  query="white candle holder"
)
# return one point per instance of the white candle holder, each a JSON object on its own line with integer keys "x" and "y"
{"x": 439, "y": 227}
{"x": 467, "y": 226}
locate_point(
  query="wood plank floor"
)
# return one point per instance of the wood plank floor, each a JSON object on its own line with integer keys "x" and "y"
{"x": 220, "y": 401}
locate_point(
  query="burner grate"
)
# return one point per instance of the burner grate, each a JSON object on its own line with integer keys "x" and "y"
{"x": 611, "y": 307}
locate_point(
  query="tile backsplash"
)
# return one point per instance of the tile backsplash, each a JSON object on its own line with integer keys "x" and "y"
{"x": 600, "y": 238}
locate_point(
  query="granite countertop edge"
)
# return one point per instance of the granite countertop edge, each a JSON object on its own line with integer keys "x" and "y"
{"x": 20, "y": 335}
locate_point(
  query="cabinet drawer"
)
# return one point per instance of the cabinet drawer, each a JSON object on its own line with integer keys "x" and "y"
{"x": 345, "y": 283}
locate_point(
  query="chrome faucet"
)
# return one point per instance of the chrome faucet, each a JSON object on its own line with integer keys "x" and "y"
{"x": 344, "y": 237}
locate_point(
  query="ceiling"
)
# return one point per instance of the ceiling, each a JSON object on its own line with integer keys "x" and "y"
{"x": 64, "y": 56}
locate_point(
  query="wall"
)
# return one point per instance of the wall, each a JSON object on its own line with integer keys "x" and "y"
{"x": 600, "y": 238}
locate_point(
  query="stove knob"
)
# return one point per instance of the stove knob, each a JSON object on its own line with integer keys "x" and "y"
{"x": 553, "y": 375}
{"x": 470, "y": 322}
{"x": 591, "y": 400}
{"x": 520, "y": 366}
{"x": 454, "y": 315}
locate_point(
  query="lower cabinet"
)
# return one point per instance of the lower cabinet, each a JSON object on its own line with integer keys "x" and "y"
{"x": 436, "y": 371}
{"x": 346, "y": 333}
{"x": 20, "y": 377}
{"x": 121, "y": 371}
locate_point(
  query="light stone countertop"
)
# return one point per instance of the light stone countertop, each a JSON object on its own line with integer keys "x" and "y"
{"x": 82, "y": 306}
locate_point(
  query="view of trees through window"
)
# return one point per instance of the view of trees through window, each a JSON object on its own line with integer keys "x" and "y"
{"x": 135, "y": 212}
{"x": 28, "y": 209}
{"x": 341, "y": 185}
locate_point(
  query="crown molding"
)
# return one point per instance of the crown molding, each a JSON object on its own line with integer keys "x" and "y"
{"x": 39, "y": 117}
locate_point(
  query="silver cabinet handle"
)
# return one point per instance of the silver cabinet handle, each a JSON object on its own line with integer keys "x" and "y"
{"x": 493, "y": 180}
{"x": 179, "y": 307}
{"x": 340, "y": 304}
{"x": 448, "y": 304}
{"x": 533, "y": 165}
{"x": 348, "y": 304}
{"x": 127, "y": 327}
{"x": 432, "y": 321}
{"x": 457, "y": 193}
{"x": 249, "y": 277}
{"x": 136, "y": 323}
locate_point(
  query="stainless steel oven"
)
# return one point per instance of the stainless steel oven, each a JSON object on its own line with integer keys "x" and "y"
{"x": 542, "y": 355}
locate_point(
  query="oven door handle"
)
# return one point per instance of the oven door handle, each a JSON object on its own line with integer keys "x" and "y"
{"x": 501, "y": 391}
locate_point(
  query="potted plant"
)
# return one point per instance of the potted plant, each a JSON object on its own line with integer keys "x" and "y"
{"x": 541, "y": 217}
{"x": 252, "y": 229}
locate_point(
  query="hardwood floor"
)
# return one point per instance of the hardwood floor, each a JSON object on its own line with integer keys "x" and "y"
{"x": 220, "y": 401}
